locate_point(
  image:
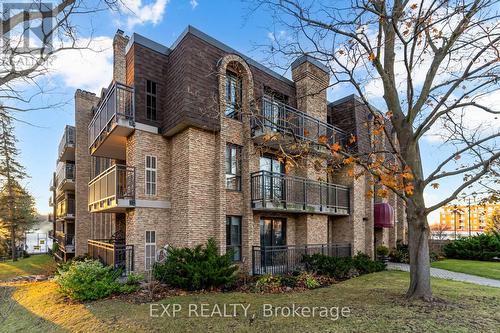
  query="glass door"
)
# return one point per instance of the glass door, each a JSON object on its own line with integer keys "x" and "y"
{"x": 273, "y": 179}
{"x": 272, "y": 234}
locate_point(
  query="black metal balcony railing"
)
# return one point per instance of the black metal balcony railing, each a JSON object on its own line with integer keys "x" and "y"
{"x": 275, "y": 116}
{"x": 66, "y": 241}
{"x": 112, "y": 185}
{"x": 68, "y": 139}
{"x": 66, "y": 208}
{"x": 117, "y": 104}
{"x": 289, "y": 258}
{"x": 112, "y": 252}
{"x": 277, "y": 191}
{"x": 65, "y": 172}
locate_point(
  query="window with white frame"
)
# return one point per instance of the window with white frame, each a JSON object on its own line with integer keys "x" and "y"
{"x": 150, "y": 175}
{"x": 150, "y": 249}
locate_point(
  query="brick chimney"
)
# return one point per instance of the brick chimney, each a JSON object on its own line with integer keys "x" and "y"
{"x": 311, "y": 80}
{"x": 120, "y": 42}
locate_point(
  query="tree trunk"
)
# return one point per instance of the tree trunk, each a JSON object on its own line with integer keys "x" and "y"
{"x": 418, "y": 241}
{"x": 13, "y": 242}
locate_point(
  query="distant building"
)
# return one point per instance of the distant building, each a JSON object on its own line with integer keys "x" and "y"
{"x": 456, "y": 217}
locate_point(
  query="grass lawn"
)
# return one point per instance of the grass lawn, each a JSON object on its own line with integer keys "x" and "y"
{"x": 375, "y": 301}
{"x": 487, "y": 269}
{"x": 35, "y": 264}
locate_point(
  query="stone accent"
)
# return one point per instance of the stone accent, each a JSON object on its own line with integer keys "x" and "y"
{"x": 84, "y": 101}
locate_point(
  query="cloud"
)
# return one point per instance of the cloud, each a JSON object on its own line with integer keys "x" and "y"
{"x": 193, "y": 3}
{"x": 142, "y": 13}
{"x": 90, "y": 69}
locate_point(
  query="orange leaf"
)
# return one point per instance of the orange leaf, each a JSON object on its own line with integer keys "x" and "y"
{"x": 352, "y": 139}
{"x": 435, "y": 185}
{"x": 409, "y": 189}
{"x": 349, "y": 160}
{"x": 350, "y": 172}
{"x": 323, "y": 139}
{"x": 457, "y": 157}
{"x": 414, "y": 6}
{"x": 382, "y": 192}
{"x": 335, "y": 147}
{"x": 306, "y": 132}
{"x": 371, "y": 56}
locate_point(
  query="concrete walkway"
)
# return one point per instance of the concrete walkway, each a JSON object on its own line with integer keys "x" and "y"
{"x": 449, "y": 275}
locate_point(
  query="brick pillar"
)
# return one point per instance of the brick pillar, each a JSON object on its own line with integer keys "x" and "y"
{"x": 84, "y": 101}
{"x": 311, "y": 80}
{"x": 119, "y": 65}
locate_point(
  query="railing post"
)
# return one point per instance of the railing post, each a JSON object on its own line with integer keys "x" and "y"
{"x": 265, "y": 259}
{"x": 304, "y": 189}
{"x": 263, "y": 180}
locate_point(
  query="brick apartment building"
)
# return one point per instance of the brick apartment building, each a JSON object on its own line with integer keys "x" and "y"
{"x": 465, "y": 219}
{"x": 175, "y": 151}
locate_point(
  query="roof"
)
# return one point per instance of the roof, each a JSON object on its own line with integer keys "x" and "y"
{"x": 146, "y": 42}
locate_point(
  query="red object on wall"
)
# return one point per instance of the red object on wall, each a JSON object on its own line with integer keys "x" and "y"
{"x": 383, "y": 215}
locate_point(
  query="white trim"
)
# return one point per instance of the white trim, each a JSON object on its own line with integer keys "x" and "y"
{"x": 152, "y": 204}
{"x": 146, "y": 128}
{"x": 146, "y": 169}
{"x": 145, "y": 247}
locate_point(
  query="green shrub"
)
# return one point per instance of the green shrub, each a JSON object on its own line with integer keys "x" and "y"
{"x": 308, "y": 280}
{"x": 382, "y": 250}
{"x": 364, "y": 265}
{"x": 342, "y": 268}
{"x": 269, "y": 282}
{"x": 480, "y": 247}
{"x": 197, "y": 268}
{"x": 88, "y": 280}
{"x": 134, "y": 279}
{"x": 289, "y": 280}
{"x": 401, "y": 253}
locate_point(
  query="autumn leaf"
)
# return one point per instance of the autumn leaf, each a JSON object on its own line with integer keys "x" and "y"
{"x": 371, "y": 56}
{"x": 341, "y": 52}
{"x": 457, "y": 157}
{"x": 335, "y": 147}
{"x": 389, "y": 114}
{"x": 382, "y": 192}
{"x": 414, "y": 6}
{"x": 352, "y": 139}
{"x": 435, "y": 185}
{"x": 350, "y": 172}
{"x": 409, "y": 189}
{"x": 349, "y": 160}
{"x": 323, "y": 139}
{"x": 306, "y": 132}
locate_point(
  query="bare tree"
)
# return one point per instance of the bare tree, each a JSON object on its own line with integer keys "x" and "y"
{"x": 435, "y": 64}
{"x": 439, "y": 230}
{"x": 32, "y": 33}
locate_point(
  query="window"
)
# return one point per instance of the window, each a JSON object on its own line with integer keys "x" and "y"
{"x": 150, "y": 100}
{"x": 150, "y": 175}
{"x": 233, "y": 167}
{"x": 272, "y": 232}
{"x": 233, "y": 96}
{"x": 233, "y": 236}
{"x": 150, "y": 250}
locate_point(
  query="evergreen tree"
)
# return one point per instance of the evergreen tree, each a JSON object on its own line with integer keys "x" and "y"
{"x": 12, "y": 173}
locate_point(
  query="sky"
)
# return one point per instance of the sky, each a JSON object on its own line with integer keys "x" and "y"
{"x": 231, "y": 22}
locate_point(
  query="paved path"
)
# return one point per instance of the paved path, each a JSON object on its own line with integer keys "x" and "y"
{"x": 449, "y": 275}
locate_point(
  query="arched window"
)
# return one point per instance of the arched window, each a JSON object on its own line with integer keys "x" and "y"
{"x": 234, "y": 95}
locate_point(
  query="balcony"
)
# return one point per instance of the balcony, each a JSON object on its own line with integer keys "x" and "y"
{"x": 113, "y": 191}
{"x": 113, "y": 121}
{"x": 288, "y": 258}
{"x": 66, "y": 242}
{"x": 65, "y": 177}
{"x": 112, "y": 252}
{"x": 67, "y": 145}
{"x": 288, "y": 125}
{"x": 278, "y": 192}
{"x": 66, "y": 208}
